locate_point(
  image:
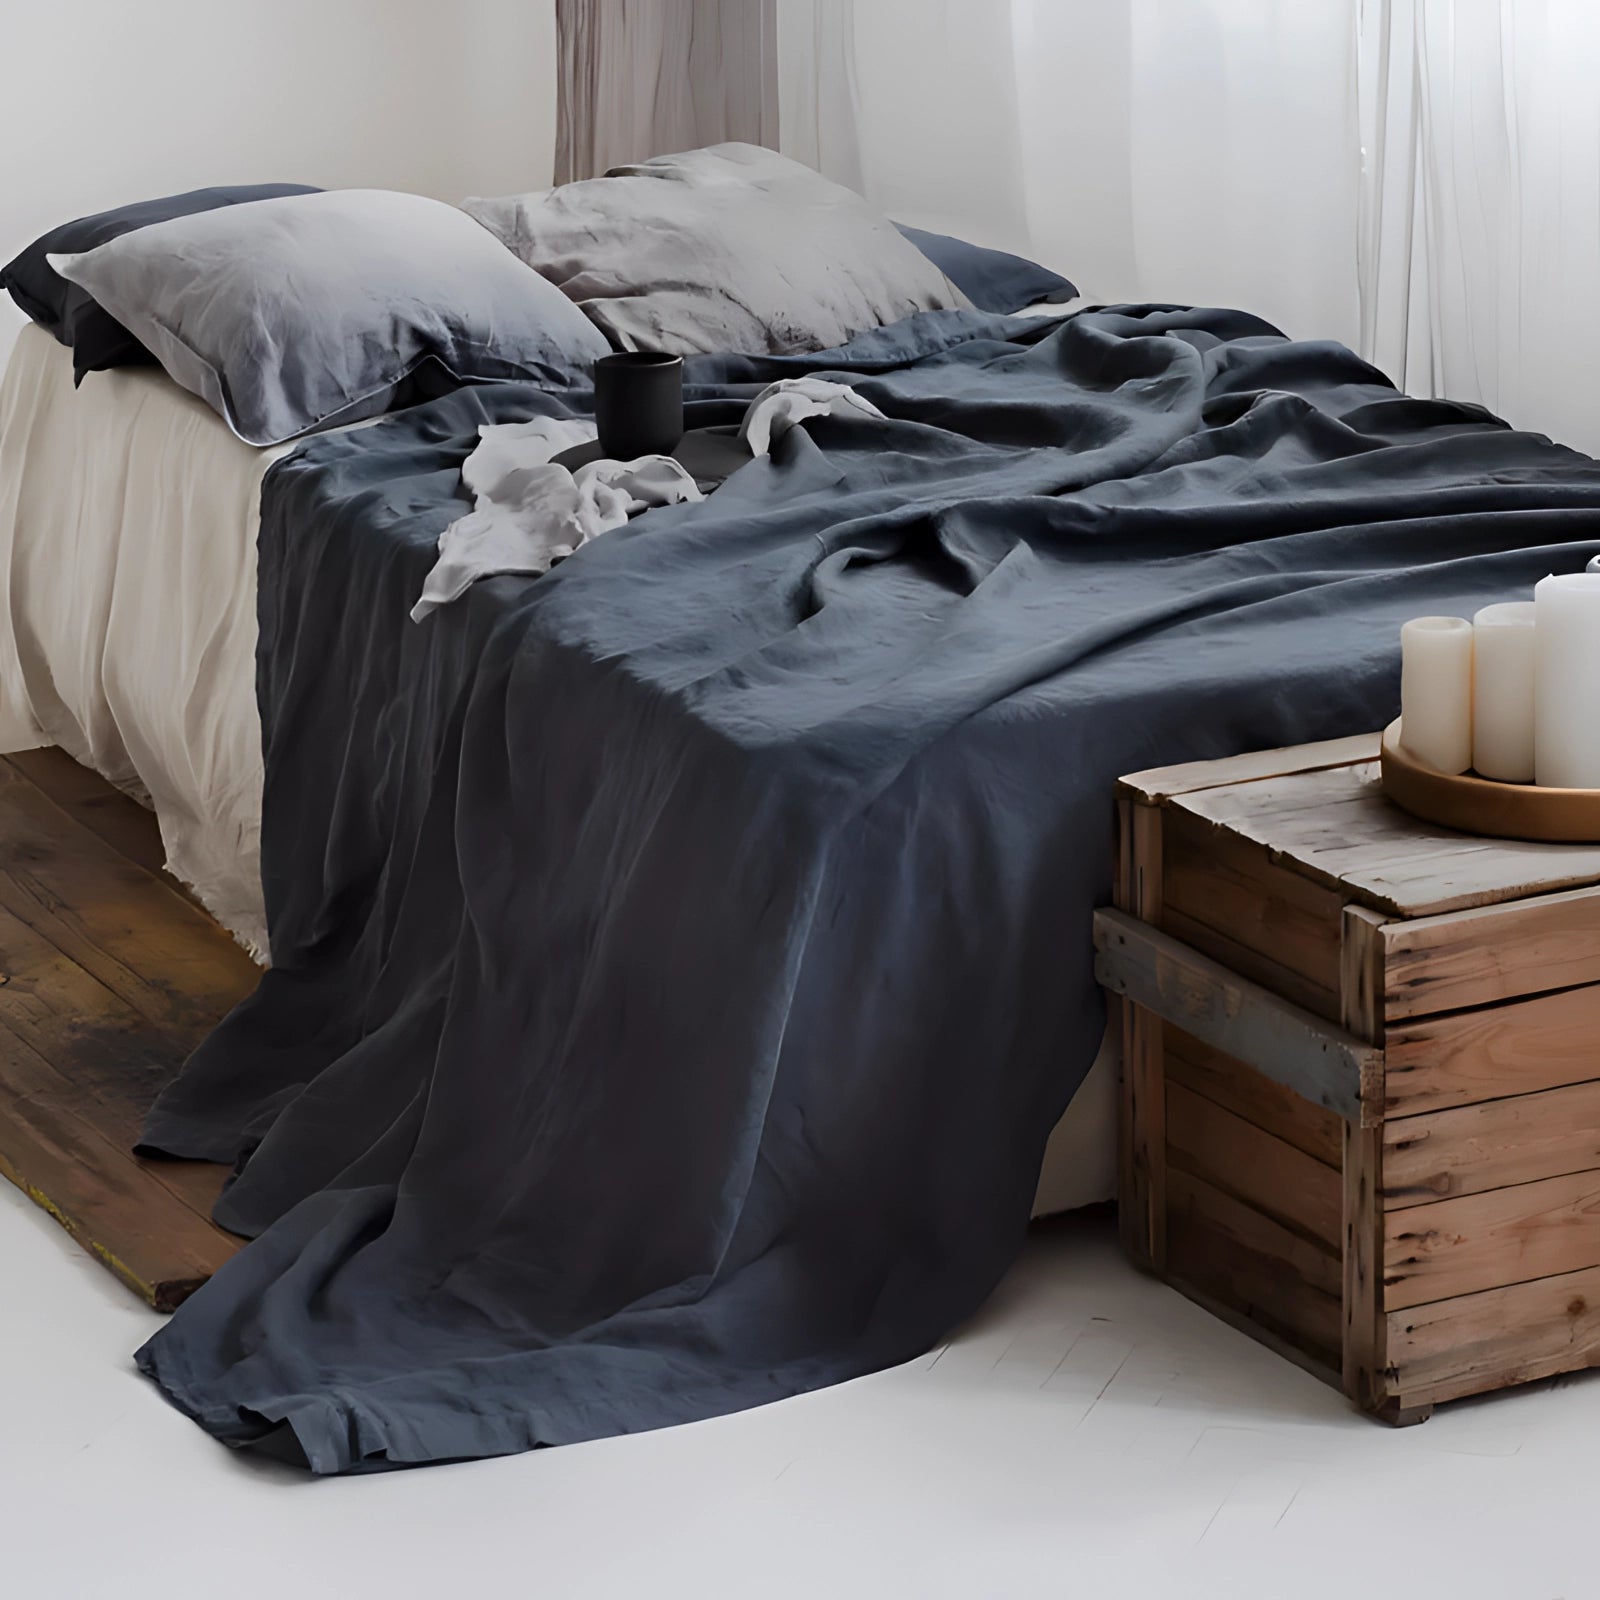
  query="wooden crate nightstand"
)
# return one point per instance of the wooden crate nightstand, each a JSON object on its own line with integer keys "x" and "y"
{"x": 1360, "y": 1075}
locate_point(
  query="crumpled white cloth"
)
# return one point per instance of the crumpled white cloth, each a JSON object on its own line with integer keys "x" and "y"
{"x": 781, "y": 405}
{"x": 529, "y": 512}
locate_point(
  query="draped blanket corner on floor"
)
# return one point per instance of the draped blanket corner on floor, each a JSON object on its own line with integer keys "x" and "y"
{"x": 680, "y": 959}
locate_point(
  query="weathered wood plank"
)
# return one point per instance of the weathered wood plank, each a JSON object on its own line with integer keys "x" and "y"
{"x": 1491, "y": 1145}
{"x": 1486, "y": 1241}
{"x": 1209, "y": 1252}
{"x": 1161, "y": 783}
{"x": 1432, "y": 1063}
{"x": 197, "y": 1184}
{"x": 1361, "y": 990}
{"x": 107, "y": 980}
{"x": 1265, "y": 922}
{"x": 151, "y": 1238}
{"x": 1290, "y": 1045}
{"x": 113, "y": 817}
{"x": 1247, "y": 963}
{"x": 1319, "y": 1362}
{"x": 105, "y": 1097}
{"x": 1232, "y": 877}
{"x": 1496, "y": 953}
{"x": 1235, "y": 1156}
{"x": 1297, "y": 802}
{"x": 149, "y": 945}
{"x": 95, "y": 1042}
{"x": 1362, "y": 1300}
{"x": 1141, "y": 1164}
{"x": 1255, "y": 1097}
{"x": 1497, "y": 1337}
{"x": 1336, "y": 827}
{"x": 1313, "y": 1262}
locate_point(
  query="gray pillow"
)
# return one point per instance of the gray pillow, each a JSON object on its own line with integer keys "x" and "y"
{"x": 305, "y": 312}
{"x": 733, "y": 248}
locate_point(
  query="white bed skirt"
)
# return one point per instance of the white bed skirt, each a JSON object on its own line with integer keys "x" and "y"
{"x": 128, "y": 518}
{"x": 128, "y": 523}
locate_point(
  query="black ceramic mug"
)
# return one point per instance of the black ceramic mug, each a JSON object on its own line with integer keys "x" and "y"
{"x": 638, "y": 404}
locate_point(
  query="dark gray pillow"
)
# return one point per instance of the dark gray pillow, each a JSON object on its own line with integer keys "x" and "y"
{"x": 99, "y": 342}
{"x": 731, "y": 248}
{"x": 993, "y": 280}
{"x": 314, "y": 310}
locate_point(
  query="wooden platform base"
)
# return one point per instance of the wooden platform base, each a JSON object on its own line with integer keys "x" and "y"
{"x": 109, "y": 976}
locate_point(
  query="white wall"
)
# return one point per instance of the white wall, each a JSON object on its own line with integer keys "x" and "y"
{"x": 1199, "y": 151}
{"x": 107, "y": 101}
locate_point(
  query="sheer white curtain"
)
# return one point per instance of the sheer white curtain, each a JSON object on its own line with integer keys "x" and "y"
{"x": 1481, "y": 231}
{"x": 1417, "y": 178}
{"x": 1191, "y": 150}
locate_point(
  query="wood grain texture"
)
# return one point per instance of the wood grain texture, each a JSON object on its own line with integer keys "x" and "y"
{"x": 1432, "y": 1063}
{"x": 1311, "y": 1261}
{"x": 1336, "y": 827}
{"x": 1497, "y": 1337}
{"x": 1496, "y": 953}
{"x": 1240, "y": 1266}
{"x": 130, "y": 829}
{"x": 93, "y": 1038}
{"x": 1320, "y": 1361}
{"x": 1362, "y": 954}
{"x": 120, "y": 1208}
{"x": 1308, "y": 1054}
{"x": 1162, "y": 783}
{"x": 1141, "y": 1149}
{"x": 108, "y": 978}
{"x": 1258, "y": 1099}
{"x": 1236, "y": 905}
{"x": 1294, "y": 1189}
{"x": 1486, "y": 1241}
{"x": 1261, "y": 970}
{"x": 1491, "y": 1145}
{"x": 149, "y": 945}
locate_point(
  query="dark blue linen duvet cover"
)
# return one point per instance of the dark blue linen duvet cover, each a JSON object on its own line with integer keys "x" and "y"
{"x": 680, "y": 960}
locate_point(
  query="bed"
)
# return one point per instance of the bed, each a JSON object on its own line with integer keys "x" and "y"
{"x": 128, "y": 523}
{"x": 681, "y": 958}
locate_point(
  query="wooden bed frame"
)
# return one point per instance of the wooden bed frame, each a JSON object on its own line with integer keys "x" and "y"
{"x": 110, "y": 974}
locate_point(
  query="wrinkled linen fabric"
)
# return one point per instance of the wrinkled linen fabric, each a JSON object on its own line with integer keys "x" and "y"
{"x": 529, "y": 511}
{"x": 681, "y": 958}
{"x": 733, "y": 247}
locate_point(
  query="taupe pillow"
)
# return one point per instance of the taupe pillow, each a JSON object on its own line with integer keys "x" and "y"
{"x": 732, "y": 248}
{"x": 304, "y": 312}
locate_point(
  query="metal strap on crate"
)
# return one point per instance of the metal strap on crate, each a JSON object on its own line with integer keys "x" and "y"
{"x": 1314, "y": 1058}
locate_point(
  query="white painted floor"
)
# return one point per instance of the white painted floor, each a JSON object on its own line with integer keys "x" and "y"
{"x": 1092, "y": 1434}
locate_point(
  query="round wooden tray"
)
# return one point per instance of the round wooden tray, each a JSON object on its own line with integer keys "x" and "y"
{"x": 1471, "y": 804}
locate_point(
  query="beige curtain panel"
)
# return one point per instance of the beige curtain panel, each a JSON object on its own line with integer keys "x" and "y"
{"x": 641, "y": 78}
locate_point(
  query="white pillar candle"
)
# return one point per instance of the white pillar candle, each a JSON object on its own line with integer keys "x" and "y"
{"x": 1436, "y": 691}
{"x": 1502, "y": 691}
{"x": 1566, "y": 705}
